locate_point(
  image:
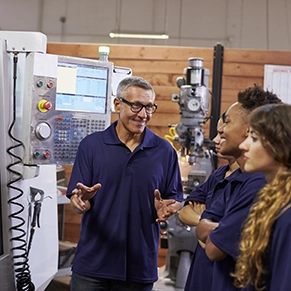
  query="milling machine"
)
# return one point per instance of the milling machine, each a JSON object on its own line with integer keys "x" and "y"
{"x": 195, "y": 160}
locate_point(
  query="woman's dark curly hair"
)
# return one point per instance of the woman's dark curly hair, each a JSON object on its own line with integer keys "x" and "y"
{"x": 254, "y": 97}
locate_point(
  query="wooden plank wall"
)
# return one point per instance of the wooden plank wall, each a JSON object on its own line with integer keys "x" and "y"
{"x": 161, "y": 66}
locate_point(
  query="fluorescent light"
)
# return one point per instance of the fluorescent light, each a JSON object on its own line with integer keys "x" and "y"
{"x": 138, "y": 35}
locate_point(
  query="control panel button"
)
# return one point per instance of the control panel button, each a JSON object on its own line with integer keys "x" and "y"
{"x": 46, "y": 154}
{"x": 39, "y": 83}
{"x": 36, "y": 154}
{"x": 50, "y": 84}
{"x": 43, "y": 130}
{"x": 44, "y": 105}
{"x": 47, "y": 105}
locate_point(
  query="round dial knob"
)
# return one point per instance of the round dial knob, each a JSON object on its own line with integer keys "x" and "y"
{"x": 193, "y": 105}
{"x": 43, "y": 130}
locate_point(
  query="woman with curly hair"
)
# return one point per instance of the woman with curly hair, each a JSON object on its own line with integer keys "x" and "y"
{"x": 264, "y": 262}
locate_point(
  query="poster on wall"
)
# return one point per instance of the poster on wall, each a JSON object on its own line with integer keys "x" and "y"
{"x": 277, "y": 79}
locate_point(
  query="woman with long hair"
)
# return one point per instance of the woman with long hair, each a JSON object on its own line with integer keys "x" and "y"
{"x": 264, "y": 262}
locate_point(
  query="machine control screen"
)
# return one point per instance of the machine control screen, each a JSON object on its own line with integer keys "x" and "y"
{"x": 81, "y": 88}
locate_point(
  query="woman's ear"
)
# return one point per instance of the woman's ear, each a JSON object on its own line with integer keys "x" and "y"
{"x": 247, "y": 131}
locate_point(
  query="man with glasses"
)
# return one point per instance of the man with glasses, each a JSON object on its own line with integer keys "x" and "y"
{"x": 125, "y": 180}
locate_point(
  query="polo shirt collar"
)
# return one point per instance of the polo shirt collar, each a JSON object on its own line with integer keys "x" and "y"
{"x": 243, "y": 176}
{"x": 148, "y": 141}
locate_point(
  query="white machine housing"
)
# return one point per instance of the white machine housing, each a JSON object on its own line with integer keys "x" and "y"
{"x": 49, "y": 103}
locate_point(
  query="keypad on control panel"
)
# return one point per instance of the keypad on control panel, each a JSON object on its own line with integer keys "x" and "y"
{"x": 69, "y": 132}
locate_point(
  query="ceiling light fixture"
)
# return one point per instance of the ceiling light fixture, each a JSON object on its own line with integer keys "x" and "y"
{"x": 138, "y": 35}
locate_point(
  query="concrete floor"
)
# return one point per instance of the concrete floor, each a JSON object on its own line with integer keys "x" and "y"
{"x": 59, "y": 284}
{"x": 164, "y": 283}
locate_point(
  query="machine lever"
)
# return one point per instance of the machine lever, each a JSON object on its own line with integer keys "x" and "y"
{"x": 36, "y": 215}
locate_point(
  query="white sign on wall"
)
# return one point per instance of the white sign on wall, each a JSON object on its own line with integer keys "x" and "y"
{"x": 277, "y": 79}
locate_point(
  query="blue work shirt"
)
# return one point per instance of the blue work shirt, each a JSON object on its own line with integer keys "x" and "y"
{"x": 278, "y": 256}
{"x": 119, "y": 235}
{"x": 202, "y": 192}
{"x": 230, "y": 210}
{"x": 200, "y": 273}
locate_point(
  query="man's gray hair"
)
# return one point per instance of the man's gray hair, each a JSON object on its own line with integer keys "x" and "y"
{"x": 133, "y": 81}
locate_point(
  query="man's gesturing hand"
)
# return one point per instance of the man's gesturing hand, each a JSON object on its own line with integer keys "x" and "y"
{"x": 165, "y": 208}
{"x": 81, "y": 195}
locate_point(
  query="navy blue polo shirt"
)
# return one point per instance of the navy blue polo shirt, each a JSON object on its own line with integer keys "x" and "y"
{"x": 278, "y": 261}
{"x": 119, "y": 235}
{"x": 278, "y": 256}
{"x": 201, "y": 192}
{"x": 200, "y": 273}
{"x": 230, "y": 210}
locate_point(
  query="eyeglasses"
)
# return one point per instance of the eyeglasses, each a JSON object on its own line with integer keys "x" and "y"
{"x": 137, "y": 107}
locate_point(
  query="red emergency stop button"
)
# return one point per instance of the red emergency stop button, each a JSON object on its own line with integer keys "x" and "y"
{"x": 44, "y": 105}
{"x": 47, "y": 105}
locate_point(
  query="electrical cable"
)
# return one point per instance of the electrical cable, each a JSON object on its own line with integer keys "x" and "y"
{"x": 20, "y": 253}
{"x": 172, "y": 137}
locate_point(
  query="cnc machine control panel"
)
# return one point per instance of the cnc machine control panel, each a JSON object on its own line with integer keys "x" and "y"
{"x": 65, "y": 106}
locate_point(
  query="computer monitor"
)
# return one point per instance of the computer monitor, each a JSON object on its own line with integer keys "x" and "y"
{"x": 82, "y": 86}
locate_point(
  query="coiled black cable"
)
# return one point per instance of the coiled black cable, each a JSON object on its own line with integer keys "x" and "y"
{"x": 20, "y": 252}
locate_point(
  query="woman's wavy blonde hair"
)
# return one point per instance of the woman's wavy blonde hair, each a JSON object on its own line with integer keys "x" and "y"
{"x": 273, "y": 124}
